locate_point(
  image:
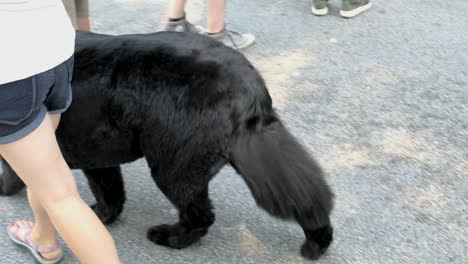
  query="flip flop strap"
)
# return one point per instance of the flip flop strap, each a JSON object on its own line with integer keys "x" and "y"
{"x": 40, "y": 249}
{"x": 18, "y": 228}
{"x": 43, "y": 249}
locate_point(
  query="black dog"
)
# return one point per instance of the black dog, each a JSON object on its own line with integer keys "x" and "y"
{"x": 189, "y": 105}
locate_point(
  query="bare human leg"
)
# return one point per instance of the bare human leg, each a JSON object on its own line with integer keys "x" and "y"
{"x": 54, "y": 197}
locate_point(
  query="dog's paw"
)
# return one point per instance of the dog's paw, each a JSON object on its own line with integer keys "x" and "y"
{"x": 105, "y": 215}
{"x": 159, "y": 234}
{"x": 175, "y": 236}
{"x": 317, "y": 242}
{"x": 310, "y": 250}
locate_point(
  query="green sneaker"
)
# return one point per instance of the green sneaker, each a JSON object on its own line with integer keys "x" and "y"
{"x": 352, "y": 8}
{"x": 319, "y": 7}
{"x": 233, "y": 39}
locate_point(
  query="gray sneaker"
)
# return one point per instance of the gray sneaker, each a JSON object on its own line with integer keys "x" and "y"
{"x": 319, "y": 7}
{"x": 352, "y": 8}
{"x": 233, "y": 39}
{"x": 183, "y": 25}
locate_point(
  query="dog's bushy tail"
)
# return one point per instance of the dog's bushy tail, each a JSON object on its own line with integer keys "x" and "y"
{"x": 285, "y": 180}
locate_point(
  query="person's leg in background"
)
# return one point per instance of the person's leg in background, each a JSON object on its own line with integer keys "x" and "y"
{"x": 217, "y": 30}
{"x": 177, "y": 22}
{"x": 215, "y": 21}
{"x": 177, "y": 9}
{"x": 82, "y": 14}
{"x": 78, "y": 11}
{"x": 216, "y": 26}
{"x": 71, "y": 11}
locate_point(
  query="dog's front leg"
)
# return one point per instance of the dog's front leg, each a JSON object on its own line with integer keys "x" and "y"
{"x": 108, "y": 189}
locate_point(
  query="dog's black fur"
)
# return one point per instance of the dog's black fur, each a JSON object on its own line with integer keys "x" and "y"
{"x": 189, "y": 105}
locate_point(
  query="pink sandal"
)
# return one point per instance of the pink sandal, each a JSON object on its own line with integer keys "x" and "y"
{"x": 35, "y": 249}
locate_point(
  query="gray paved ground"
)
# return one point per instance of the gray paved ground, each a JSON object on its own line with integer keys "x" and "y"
{"x": 380, "y": 100}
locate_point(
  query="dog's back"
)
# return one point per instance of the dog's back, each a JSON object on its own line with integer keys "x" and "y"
{"x": 149, "y": 82}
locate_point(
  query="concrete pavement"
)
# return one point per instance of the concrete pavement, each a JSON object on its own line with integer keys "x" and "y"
{"x": 380, "y": 100}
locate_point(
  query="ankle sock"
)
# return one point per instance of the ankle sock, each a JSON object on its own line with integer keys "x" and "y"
{"x": 176, "y": 19}
{"x": 215, "y": 33}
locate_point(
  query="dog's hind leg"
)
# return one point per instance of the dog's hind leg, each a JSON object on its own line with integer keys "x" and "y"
{"x": 10, "y": 183}
{"x": 183, "y": 157}
{"x": 108, "y": 189}
{"x": 196, "y": 216}
{"x": 189, "y": 194}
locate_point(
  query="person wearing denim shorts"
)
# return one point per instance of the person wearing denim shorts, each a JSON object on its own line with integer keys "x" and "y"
{"x": 36, "y": 67}
{"x": 24, "y": 103}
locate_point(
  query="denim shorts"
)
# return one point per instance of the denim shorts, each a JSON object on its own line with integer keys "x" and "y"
{"x": 25, "y": 103}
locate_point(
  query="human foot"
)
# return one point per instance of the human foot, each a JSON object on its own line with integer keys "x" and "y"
{"x": 49, "y": 251}
{"x": 233, "y": 39}
{"x": 182, "y": 25}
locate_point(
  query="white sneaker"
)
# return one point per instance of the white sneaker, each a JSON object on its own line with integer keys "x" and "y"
{"x": 320, "y": 12}
{"x": 233, "y": 39}
{"x": 319, "y": 7}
